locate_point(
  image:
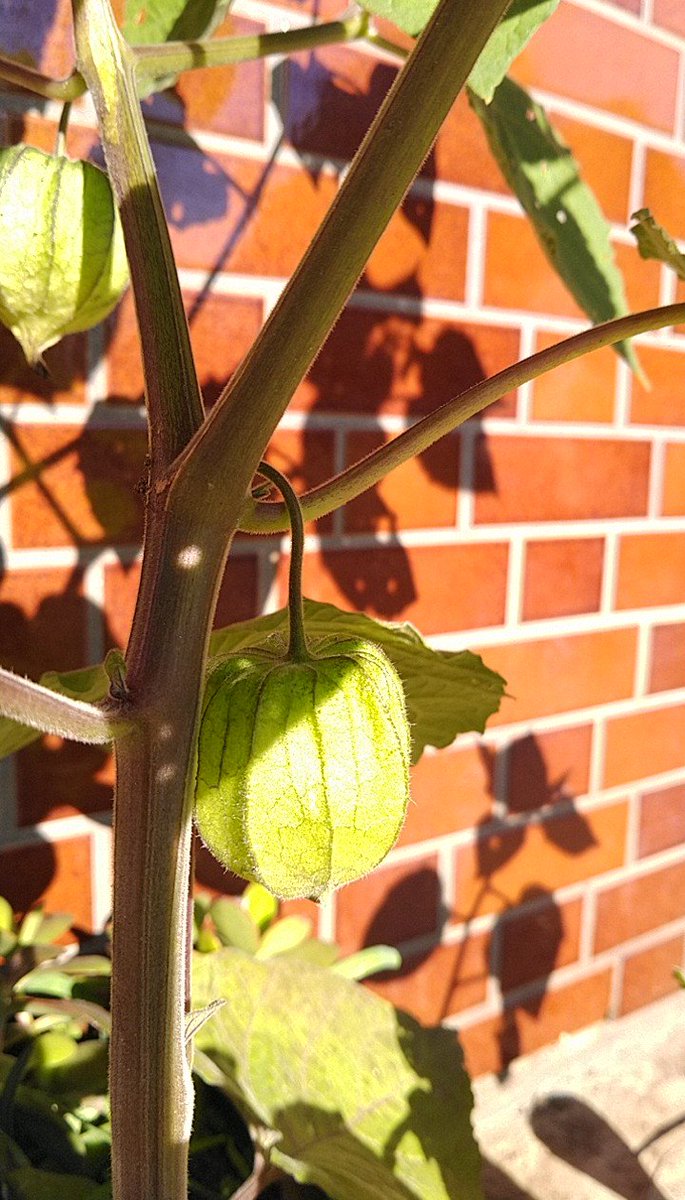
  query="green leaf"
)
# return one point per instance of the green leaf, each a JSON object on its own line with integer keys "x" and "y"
{"x": 446, "y": 693}
{"x": 6, "y": 916}
{"x": 148, "y": 21}
{"x": 378, "y": 1107}
{"x": 7, "y": 942}
{"x": 89, "y": 684}
{"x": 514, "y": 31}
{"x": 51, "y": 928}
{"x": 410, "y": 15}
{"x": 679, "y": 975}
{"x": 284, "y": 936}
{"x": 261, "y": 905}
{"x": 654, "y": 242}
{"x": 565, "y": 215}
{"x": 369, "y": 961}
{"x": 29, "y": 927}
{"x": 63, "y": 264}
{"x": 234, "y": 925}
{"x": 28, "y": 1183}
{"x": 320, "y": 954}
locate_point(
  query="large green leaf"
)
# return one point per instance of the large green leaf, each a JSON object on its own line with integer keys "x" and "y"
{"x": 410, "y": 15}
{"x": 348, "y": 1093}
{"x": 446, "y": 693}
{"x": 565, "y": 215}
{"x": 28, "y": 1183}
{"x": 514, "y": 31}
{"x": 148, "y": 21}
{"x": 654, "y": 242}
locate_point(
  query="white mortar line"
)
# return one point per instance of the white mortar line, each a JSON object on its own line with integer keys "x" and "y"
{"x": 636, "y": 187}
{"x": 94, "y": 592}
{"x": 475, "y": 256}
{"x": 633, "y": 829}
{"x": 525, "y": 392}
{"x": 607, "y": 601}
{"x": 622, "y": 395}
{"x": 597, "y": 758}
{"x": 101, "y": 875}
{"x": 656, "y": 478}
{"x": 515, "y": 582}
{"x": 642, "y": 661}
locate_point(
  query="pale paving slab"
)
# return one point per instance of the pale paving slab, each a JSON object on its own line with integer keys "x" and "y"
{"x": 585, "y": 1119}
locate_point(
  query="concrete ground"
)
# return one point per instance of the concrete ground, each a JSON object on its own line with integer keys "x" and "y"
{"x": 599, "y": 1115}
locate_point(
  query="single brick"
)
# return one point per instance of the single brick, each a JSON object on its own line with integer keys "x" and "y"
{"x": 673, "y": 504}
{"x": 667, "y": 665}
{"x": 540, "y": 479}
{"x": 661, "y": 402}
{"x": 422, "y": 584}
{"x": 562, "y": 577}
{"x": 625, "y": 910}
{"x": 559, "y": 674}
{"x": 648, "y": 974}
{"x": 662, "y": 820}
{"x": 640, "y": 745}
{"x": 582, "y": 390}
{"x": 651, "y": 569}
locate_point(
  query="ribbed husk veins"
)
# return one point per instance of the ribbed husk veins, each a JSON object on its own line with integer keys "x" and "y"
{"x": 303, "y": 767}
{"x": 62, "y": 258}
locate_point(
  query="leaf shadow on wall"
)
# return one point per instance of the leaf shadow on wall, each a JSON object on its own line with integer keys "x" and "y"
{"x": 383, "y": 357}
{"x": 531, "y": 934}
{"x": 26, "y": 28}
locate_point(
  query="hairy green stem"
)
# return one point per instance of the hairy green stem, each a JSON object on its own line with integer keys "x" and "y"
{"x": 171, "y": 58}
{"x": 38, "y": 706}
{"x": 268, "y": 517}
{"x": 25, "y": 77}
{"x": 297, "y": 646}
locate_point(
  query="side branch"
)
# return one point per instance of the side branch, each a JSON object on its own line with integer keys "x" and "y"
{"x": 268, "y": 517}
{"x": 32, "y": 704}
{"x": 171, "y": 58}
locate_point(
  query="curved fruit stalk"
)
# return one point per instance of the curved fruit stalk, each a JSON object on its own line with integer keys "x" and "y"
{"x": 62, "y": 258}
{"x": 303, "y": 757}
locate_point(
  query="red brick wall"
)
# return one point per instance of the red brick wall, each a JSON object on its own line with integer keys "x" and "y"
{"x": 538, "y": 884}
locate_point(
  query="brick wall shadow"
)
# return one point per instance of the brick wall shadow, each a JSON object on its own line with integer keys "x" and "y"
{"x": 511, "y": 926}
